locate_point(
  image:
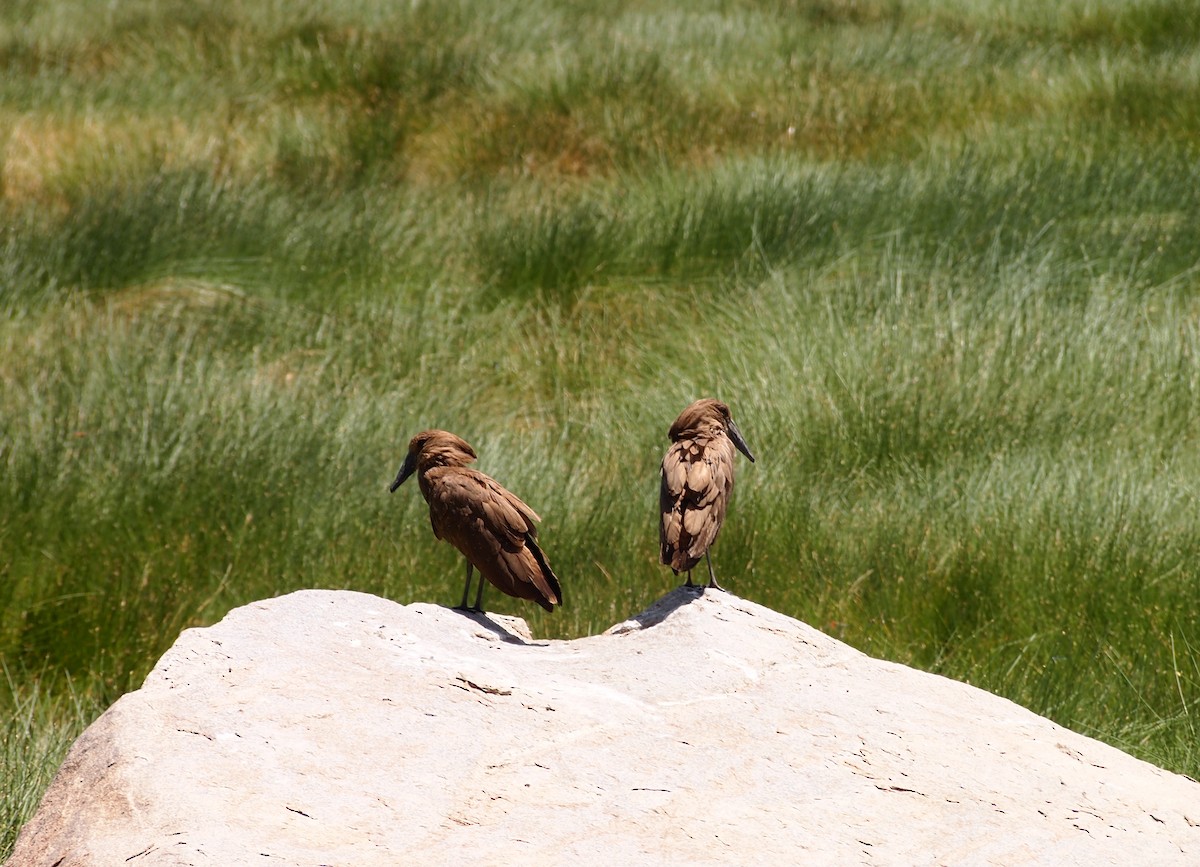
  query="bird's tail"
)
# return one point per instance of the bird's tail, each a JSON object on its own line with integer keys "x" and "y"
{"x": 548, "y": 584}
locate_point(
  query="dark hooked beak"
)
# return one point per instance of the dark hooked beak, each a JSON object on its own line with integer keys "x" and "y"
{"x": 736, "y": 436}
{"x": 410, "y": 466}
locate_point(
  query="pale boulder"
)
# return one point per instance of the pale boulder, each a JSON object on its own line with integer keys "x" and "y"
{"x": 337, "y": 728}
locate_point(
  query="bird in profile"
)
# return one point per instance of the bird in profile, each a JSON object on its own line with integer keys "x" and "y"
{"x": 492, "y": 528}
{"x": 697, "y": 478}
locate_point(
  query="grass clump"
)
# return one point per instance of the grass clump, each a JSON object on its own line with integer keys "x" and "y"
{"x": 39, "y": 725}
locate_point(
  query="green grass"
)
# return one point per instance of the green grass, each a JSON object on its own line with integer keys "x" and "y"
{"x": 38, "y": 728}
{"x": 940, "y": 259}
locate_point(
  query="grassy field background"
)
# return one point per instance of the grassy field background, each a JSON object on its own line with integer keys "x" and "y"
{"x": 940, "y": 258}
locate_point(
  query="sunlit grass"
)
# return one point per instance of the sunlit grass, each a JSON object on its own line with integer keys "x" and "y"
{"x": 38, "y": 726}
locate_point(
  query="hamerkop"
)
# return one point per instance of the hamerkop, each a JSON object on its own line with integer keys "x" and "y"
{"x": 697, "y": 478}
{"x": 492, "y": 528}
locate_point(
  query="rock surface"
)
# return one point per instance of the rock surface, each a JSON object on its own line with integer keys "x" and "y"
{"x": 337, "y": 728}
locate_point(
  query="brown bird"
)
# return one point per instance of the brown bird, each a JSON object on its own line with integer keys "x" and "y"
{"x": 492, "y": 528}
{"x": 697, "y": 478}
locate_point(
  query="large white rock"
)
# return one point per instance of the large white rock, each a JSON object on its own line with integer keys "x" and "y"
{"x": 335, "y": 728}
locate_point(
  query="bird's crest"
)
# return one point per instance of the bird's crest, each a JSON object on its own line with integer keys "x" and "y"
{"x": 440, "y": 448}
{"x": 699, "y": 417}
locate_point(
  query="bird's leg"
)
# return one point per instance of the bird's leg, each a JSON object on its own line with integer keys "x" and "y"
{"x": 462, "y": 606}
{"x": 689, "y": 583}
{"x": 479, "y": 595}
{"x": 712, "y": 578}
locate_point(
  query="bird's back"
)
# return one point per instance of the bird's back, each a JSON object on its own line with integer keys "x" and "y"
{"x": 697, "y": 478}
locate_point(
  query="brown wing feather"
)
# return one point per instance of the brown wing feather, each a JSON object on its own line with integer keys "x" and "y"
{"x": 494, "y": 530}
{"x": 697, "y": 477}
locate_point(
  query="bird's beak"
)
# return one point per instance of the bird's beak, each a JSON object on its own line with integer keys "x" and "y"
{"x": 736, "y": 436}
{"x": 410, "y": 466}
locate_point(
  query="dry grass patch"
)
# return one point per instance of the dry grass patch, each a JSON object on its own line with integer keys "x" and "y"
{"x": 48, "y": 158}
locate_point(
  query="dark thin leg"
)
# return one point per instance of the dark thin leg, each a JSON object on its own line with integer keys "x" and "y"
{"x": 689, "y": 581}
{"x": 462, "y": 606}
{"x": 479, "y": 595}
{"x": 712, "y": 578}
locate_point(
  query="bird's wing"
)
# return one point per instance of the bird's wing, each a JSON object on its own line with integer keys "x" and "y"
{"x": 493, "y": 529}
{"x": 462, "y": 497}
{"x": 697, "y": 477}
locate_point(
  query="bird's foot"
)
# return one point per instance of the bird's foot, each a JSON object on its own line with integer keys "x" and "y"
{"x": 713, "y": 585}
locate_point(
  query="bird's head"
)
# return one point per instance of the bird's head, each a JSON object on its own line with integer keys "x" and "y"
{"x": 709, "y": 416}
{"x": 433, "y": 448}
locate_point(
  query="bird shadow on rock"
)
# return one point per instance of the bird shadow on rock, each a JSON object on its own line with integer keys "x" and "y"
{"x": 512, "y": 630}
{"x": 659, "y": 611}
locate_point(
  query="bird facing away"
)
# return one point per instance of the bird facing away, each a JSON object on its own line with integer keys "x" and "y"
{"x": 492, "y": 528}
{"x": 697, "y": 478}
